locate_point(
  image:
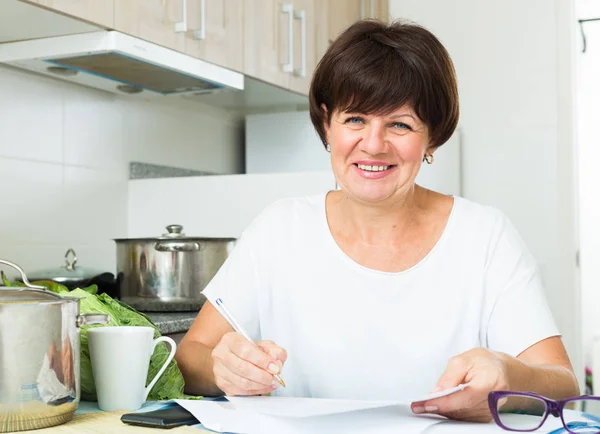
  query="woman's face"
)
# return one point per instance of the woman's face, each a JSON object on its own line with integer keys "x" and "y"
{"x": 377, "y": 158}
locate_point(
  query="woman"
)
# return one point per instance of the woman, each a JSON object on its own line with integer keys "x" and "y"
{"x": 383, "y": 289}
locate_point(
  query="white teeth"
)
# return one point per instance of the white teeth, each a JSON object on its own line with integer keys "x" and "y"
{"x": 372, "y": 168}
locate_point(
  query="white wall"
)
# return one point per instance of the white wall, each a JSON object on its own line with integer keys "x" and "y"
{"x": 588, "y": 116}
{"x": 513, "y": 60}
{"x": 64, "y": 163}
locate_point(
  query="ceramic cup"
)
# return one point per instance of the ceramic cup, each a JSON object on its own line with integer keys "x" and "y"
{"x": 120, "y": 360}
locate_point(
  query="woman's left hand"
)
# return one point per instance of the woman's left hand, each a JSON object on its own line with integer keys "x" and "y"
{"x": 484, "y": 370}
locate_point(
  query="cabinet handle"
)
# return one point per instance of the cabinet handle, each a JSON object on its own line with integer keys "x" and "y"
{"x": 287, "y": 8}
{"x": 363, "y": 9}
{"x": 200, "y": 34}
{"x": 181, "y": 26}
{"x": 301, "y": 15}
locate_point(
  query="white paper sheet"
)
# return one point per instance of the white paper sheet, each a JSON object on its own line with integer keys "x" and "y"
{"x": 283, "y": 415}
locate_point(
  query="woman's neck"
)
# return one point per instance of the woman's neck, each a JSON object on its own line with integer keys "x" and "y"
{"x": 376, "y": 225}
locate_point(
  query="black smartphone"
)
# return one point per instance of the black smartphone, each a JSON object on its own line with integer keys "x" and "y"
{"x": 165, "y": 417}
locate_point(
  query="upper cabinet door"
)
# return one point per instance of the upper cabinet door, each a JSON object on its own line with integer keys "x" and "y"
{"x": 158, "y": 21}
{"x": 268, "y": 40}
{"x": 378, "y": 9}
{"x": 95, "y": 11}
{"x": 216, "y": 32}
{"x": 335, "y": 16}
{"x": 304, "y": 45}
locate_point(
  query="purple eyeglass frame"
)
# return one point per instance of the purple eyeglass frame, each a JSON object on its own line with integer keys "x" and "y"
{"x": 555, "y": 408}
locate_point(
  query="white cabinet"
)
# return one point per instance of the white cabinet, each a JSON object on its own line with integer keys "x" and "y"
{"x": 20, "y": 21}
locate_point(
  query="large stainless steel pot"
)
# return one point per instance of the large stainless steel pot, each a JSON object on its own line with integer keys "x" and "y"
{"x": 170, "y": 270}
{"x": 39, "y": 356}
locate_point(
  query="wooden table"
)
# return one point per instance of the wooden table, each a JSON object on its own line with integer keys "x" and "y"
{"x": 108, "y": 423}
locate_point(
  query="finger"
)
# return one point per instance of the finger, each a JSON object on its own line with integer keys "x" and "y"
{"x": 231, "y": 389}
{"x": 244, "y": 384}
{"x": 255, "y": 355}
{"x": 274, "y": 350}
{"x": 455, "y": 373}
{"x": 467, "y": 399}
{"x": 244, "y": 369}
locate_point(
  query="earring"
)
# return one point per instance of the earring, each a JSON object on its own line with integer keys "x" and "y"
{"x": 428, "y": 158}
{"x": 327, "y": 147}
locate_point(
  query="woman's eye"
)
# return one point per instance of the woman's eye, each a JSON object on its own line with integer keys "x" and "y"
{"x": 402, "y": 126}
{"x": 354, "y": 120}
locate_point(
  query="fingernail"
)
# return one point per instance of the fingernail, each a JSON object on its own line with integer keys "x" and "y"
{"x": 275, "y": 384}
{"x": 273, "y": 368}
{"x": 418, "y": 410}
{"x": 437, "y": 389}
{"x": 431, "y": 408}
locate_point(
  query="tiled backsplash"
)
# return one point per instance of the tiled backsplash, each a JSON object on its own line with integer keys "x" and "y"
{"x": 65, "y": 152}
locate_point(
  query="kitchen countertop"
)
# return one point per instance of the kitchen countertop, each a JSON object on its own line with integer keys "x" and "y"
{"x": 172, "y": 322}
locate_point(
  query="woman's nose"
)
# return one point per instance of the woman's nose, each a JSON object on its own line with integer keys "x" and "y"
{"x": 373, "y": 141}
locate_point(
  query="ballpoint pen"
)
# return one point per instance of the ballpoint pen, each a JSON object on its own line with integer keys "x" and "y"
{"x": 238, "y": 328}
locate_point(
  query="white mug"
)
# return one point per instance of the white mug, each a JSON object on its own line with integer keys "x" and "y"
{"x": 120, "y": 360}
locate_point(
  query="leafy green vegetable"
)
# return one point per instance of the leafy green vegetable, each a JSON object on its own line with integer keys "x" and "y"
{"x": 169, "y": 385}
{"x": 52, "y": 286}
{"x": 7, "y": 282}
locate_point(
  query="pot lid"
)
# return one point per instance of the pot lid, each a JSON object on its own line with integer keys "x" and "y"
{"x": 70, "y": 272}
{"x": 10, "y": 295}
{"x": 175, "y": 232}
{"x": 27, "y": 294}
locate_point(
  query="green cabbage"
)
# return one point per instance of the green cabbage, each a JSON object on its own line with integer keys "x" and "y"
{"x": 169, "y": 386}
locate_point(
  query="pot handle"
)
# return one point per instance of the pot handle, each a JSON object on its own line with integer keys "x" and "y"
{"x": 92, "y": 318}
{"x": 23, "y": 277}
{"x": 177, "y": 246}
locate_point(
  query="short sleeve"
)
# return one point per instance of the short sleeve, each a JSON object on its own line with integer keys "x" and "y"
{"x": 238, "y": 282}
{"x": 518, "y": 315}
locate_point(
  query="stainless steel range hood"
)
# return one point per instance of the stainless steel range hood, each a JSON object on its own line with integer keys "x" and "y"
{"x": 119, "y": 63}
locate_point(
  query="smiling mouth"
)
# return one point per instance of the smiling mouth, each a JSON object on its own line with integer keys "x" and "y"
{"x": 374, "y": 168}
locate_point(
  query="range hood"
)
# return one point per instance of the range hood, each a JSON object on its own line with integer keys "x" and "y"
{"x": 119, "y": 63}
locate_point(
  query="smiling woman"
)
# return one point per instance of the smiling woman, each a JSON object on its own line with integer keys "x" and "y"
{"x": 382, "y": 289}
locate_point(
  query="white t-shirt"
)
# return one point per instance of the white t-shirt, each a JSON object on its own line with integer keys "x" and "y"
{"x": 357, "y": 333}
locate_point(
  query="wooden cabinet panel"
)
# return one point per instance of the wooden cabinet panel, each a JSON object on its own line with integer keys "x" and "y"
{"x": 378, "y": 9}
{"x": 216, "y": 32}
{"x": 304, "y": 46}
{"x": 95, "y": 11}
{"x": 334, "y": 16}
{"x": 151, "y": 20}
{"x": 266, "y": 36}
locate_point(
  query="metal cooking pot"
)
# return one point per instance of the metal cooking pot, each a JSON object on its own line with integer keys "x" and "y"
{"x": 70, "y": 275}
{"x": 39, "y": 356}
{"x": 168, "y": 270}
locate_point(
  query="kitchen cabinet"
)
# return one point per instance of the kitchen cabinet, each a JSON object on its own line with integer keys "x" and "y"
{"x": 158, "y": 21}
{"x": 95, "y": 11}
{"x": 304, "y": 53}
{"x": 280, "y": 42}
{"x": 334, "y": 17}
{"x": 216, "y": 32}
{"x": 268, "y": 27}
{"x": 378, "y": 9}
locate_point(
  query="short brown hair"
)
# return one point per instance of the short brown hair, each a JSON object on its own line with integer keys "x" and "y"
{"x": 375, "y": 68}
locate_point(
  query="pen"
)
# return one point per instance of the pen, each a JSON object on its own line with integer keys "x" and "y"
{"x": 238, "y": 328}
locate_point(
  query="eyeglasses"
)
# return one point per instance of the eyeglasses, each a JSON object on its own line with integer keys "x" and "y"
{"x": 526, "y": 412}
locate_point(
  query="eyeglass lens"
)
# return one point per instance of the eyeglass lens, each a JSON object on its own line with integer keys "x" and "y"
{"x": 521, "y": 413}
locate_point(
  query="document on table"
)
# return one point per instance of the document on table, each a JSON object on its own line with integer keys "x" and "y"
{"x": 283, "y": 415}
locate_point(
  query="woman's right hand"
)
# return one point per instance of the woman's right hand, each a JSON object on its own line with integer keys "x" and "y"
{"x": 240, "y": 368}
